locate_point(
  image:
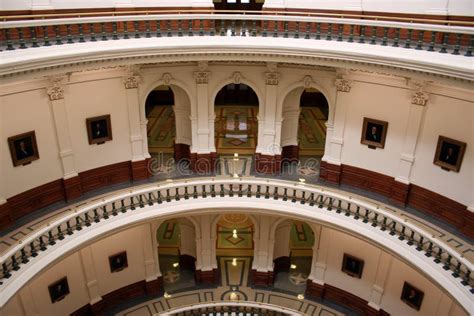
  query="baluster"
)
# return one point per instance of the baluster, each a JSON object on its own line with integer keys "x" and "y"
{"x": 176, "y": 195}
{"x": 148, "y": 31}
{"x": 457, "y": 270}
{"x": 340, "y": 29}
{"x": 168, "y": 196}
{"x": 308, "y": 31}
{"x": 104, "y": 34}
{"x": 22, "y": 40}
{"x": 466, "y": 278}
{"x": 366, "y": 216}
{"x": 447, "y": 263}
{"x": 92, "y": 32}
{"x": 132, "y": 203}
{"x": 33, "y": 251}
{"x": 180, "y": 28}
{"x": 213, "y": 190}
{"x": 375, "y": 220}
{"x": 293, "y": 198}
{"x": 123, "y": 209}
{"x": 150, "y": 199}
{"x": 396, "y": 39}
{"x": 231, "y": 190}
{"x": 42, "y": 244}
{"x": 329, "y": 208}
{"x": 78, "y": 223}
{"x": 96, "y": 216}
{"x": 51, "y": 238}
{"x": 254, "y": 28}
{"x": 125, "y": 30}
{"x": 469, "y": 48}
{"x": 311, "y": 199}
{"x": 186, "y": 195}
{"x": 351, "y": 34}
{"x": 69, "y": 230}
{"x": 58, "y": 35}
{"x": 6, "y": 272}
{"x": 339, "y": 208}
{"x": 201, "y": 27}
{"x": 402, "y": 233}
{"x": 297, "y": 30}
{"x": 223, "y": 31}
{"x": 385, "y": 37}
{"x": 212, "y": 30}
{"x": 285, "y": 31}
{"x": 244, "y": 28}
{"x": 240, "y": 193}
{"x": 275, "y": 193}
{"x": 267, "y": 192}
{"x": 105, "y": 213}
{"x": 457, "y": 45}
{"x": 232, "y": 28}
{"x": 264, "y": 32}
{"x": 60, "y": 233}
{"x": 69, "y": 34}
{"x": 34, "y": 39}
{"x": 318, "y": 31}
{"x": 221, "y": 191}
{"x": 303, "y": 198}
{"x": 257, "y": 195}
{"x": 285, "y": 194}
{"x": 190, "y": 28}
{"x": 249, "y": 190}
{"x": 203, "y": 193}
{"x": 45, "y": 36}
{"x": 429, "y": 251}
{"x": 168, "y": 28}
{"x": 321, "y": 198}
{"x": 420, "y": 244}
{"x": 444, "y": 43}
{"x": 432, "y": 41}
{"x": 348, "y": 210}
{"x": 329, "y": 33}
{"x": 87, "y": 219}
{"x": 362, "y": 34}
{"x": 419, "y": 44}
{"x": 438, "y": 255}
{"x": 374, "y": 35}
{"x": 357, "y": 213}
{"x": 408, "y": 40}
{"x": 195, "y": 193}
{"x": 159, "y": 199}
{"x": 81, "y": 33}
{"x": 15, "y": 265}
{"x": 393, "y": 229}
{"x": 24, "y": 257}
{"x": 275, "y": 28}
{"x": 114, "y": 31}
{"x": 136, "y": 29}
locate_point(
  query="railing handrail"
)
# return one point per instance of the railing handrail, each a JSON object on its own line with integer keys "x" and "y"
{"x": 242, "y": 12}
{"x": 374, "y": 207}
{"x": 128, "y": 18}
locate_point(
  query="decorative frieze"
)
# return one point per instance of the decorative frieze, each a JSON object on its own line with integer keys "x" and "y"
{"x": 343, "y": 85}
{"x": 272, "y": 78}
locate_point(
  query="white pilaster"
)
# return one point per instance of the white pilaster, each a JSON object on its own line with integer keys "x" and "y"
{"x": 203, "y": 115}
{"x": 320, "y": 256}
{"x": 263, "y": 251}
{"x": 90, "y": 274}
{"x": 151, "y": 261}
{"x": 208, "y": 261}
{"x": 383, "y": 269}
{"x": 27, "y": 301}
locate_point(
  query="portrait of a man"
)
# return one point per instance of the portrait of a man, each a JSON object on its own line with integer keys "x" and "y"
{"x": 23, "y": 148}
{"x": 449, "y": 153}
{"x": 374, "y": 133}
{"x": 58, "y": 290}
{"x": 352, "y": 266}
{"x": 118, "y": 262}
{"x": 412, "y": 296}
{"x": 99, "y": 129}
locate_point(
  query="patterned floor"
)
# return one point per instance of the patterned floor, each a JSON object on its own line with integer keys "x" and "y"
{"x": 236, "y": 129}
{"x": 234, "y": 277}
{"x": 311, "y": 132}
{"x": 161, "y": 129}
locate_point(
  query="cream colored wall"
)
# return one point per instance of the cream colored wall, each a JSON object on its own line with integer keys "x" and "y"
{"x": 24, "y": 112}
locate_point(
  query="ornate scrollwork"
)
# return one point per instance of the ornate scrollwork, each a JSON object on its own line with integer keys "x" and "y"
{"x": 166, "y": 78}
{"x": 131, "y": 81}
{"x": 343, "y": 85}
{"x": 202, "y": 77}
{"x": 272, "y": 78}
{"x": 55, "y": 92}
{"x": 419, "y": 98}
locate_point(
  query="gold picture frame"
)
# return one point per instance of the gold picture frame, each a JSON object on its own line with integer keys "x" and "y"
{"x": 374, "y": 133}
{"x": 449, "y": 153}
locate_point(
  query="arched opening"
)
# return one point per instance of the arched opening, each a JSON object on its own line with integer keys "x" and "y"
{"x": 167, "y": 109}
{"x": 292, "y": 256}
{"x": 234, "y": 248}
{"x": 303, "y": 136}
{"x": 177, "y": 253}
{"x": 236, "y": 128}
{"x": 238, "y": 4}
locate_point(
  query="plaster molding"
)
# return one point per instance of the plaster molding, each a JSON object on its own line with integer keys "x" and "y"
{"x": 131, "y": 80}
{"x": 272, "y": 78}
{"x": 56, "y": 89}
{"x": 202, "y": 77}
{"x": 237, "y": 77}
{"x": 343, "y": 85}
{"x": 166, "y": 78}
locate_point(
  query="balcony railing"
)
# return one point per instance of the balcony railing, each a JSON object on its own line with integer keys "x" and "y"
{"x": 317, "y": 198}
{"x": 426, "y": 35}
{"x": 232, "y": 308}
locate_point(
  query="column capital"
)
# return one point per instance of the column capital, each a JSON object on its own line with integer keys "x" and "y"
{"x": 131, "y": 80}
{"x": 419, "y": 97}
{"x": 55, "y": 90}
{"x": 202, "y": 77}
{"x": 343, "y": 85}
{"x": 272, "y": 78}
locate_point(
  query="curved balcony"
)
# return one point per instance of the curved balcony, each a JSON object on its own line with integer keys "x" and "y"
{"x": 77, "y": 226}
{"x": 212, "y": 308}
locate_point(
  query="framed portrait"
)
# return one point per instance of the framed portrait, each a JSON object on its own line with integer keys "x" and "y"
{"x": 23, "y": 148}
{"x": 352, "y": 266}
{"x": 374, "y": 133}
{"x": 99, "y": 129}
{"x": 412, "y": 296}
{"x": 118, "y": 262}
{"x": 58, "y": 290}
{"x": 449, "y": 153}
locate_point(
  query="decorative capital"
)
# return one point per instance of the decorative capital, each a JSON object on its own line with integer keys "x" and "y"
{"x": 419, "y": 98}
{"x": 307, "y": 81}
{"x": 56, "y": 91}
{"x": 166, "y": 78}
{"x": 272, "y": 78}
{"x": 237, "y": 77}
{"x": 131, "y": 81}
{"x": 202, "y": 77}
{"x": 343, "y": 85}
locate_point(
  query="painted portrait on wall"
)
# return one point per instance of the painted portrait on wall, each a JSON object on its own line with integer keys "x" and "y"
{"x": 99, "y": 129}
{"x": 118, "y": 262}
{"x": 58, "y": 290}
{"x": 374, "y": 133}
{"x": 412, "y": 296}
{"x": 23, "y": 148}
{"x": 449, "y": 153}
{"x": 352, "y": 266}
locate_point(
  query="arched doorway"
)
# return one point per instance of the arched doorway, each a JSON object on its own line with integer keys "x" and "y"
{"x": 167, "y": 109}
{"x": 236, "y": 128}
{"x": 303, "y": 135}
{"x": 177, "y": 253}
{"x": 292, "y": 256}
